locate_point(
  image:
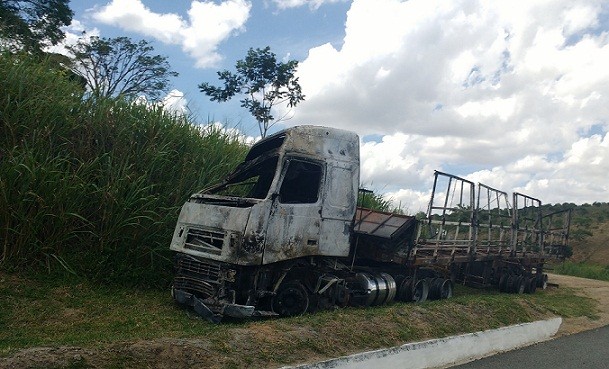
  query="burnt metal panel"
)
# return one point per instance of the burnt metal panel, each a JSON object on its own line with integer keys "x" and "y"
{"x": 379, "y": 224}
{"x": 215, "y": 232}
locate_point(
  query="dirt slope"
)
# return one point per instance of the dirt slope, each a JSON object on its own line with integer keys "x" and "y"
{"x": 597, "y": 290}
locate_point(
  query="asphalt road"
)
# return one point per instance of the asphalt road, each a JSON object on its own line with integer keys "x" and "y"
{"x": 586, "y": 350}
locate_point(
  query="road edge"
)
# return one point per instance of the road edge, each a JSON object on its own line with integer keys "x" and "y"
{"x": 441, "y": 352}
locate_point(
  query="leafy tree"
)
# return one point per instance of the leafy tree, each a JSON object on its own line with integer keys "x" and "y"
{"x": 263, "y": 81}
{"x": 119, "y": 67}
{"x": 31, "y": 25}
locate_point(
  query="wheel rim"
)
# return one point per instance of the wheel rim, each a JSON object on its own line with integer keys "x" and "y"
{"x": 421, "y": 289}
{"x": 291, "y": 300}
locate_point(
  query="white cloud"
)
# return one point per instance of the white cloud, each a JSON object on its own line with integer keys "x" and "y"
{"x": 75, "y": 31}
{"x": 175, "y": 102}
{"x": 313, "y": 4}
{"x": 501, "y": 92}
{"x": 208, "y": 24}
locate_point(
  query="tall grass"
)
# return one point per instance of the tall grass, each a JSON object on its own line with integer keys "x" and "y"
{"x": 93, "y": 187}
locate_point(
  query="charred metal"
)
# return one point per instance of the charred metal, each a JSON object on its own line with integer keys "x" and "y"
{"x": 283, "y": 235}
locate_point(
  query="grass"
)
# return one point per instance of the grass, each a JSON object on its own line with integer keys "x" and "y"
{"x": 583, "y": 270}
{"x": 113, "y": 321}
{"x": 94, "y": 187}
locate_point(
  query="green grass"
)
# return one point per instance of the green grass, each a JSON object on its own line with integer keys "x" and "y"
{"x": 38, "y": 312}
{"x": 583, "y": 270}
{"x": 94, "y": 187}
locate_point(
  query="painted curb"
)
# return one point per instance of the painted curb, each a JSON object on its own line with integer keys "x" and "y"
{"x": 445, "y": 351}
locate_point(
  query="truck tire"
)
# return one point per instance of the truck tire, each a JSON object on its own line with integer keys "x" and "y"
{"x": 421, "y": 289}
{"x": 292, "y": 299}
{"x": 405, "y": 290}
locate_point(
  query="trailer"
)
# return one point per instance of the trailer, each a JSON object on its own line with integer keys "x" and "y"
{"x": 284, "y": 235}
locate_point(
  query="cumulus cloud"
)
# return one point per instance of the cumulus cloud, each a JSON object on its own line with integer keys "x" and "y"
{"x": 175, "y": 102}
{"x": 207, "y": 25}
{"x": 501, "y": 92}
{"x": 75, "y": 31}
{"x": 313, "y": 4}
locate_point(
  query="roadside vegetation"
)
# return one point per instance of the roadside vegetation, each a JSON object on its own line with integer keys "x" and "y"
{"x": 92, "y": 187}
{"x": 111, "y": 323}
{"x": 583, "y": 270}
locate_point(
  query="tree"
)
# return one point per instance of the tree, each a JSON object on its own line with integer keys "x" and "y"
{"x": 263, "y": 81}
{"x": 119, "y": 67}
{"x": 31, "y": 25}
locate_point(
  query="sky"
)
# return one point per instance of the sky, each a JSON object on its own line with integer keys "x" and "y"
{"x": 512, "y": 94}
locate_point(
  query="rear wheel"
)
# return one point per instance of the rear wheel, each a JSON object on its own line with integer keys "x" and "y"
{"x": 292, "y": 299}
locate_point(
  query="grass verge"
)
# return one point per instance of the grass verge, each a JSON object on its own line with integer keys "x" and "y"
{"x": 583, "y": 270}
{"x": 122, "y": 327}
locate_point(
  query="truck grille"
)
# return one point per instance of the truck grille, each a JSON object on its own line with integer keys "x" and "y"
{"x": 194, "y": 267}
{"x": 196, "y": 276}
{"x": 201, "y": 287}
{"x": 204, "y": 240}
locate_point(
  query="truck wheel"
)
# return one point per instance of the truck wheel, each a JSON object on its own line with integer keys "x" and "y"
{"x": 421, "y": 289}
{"x": 405, "y": 290}
{"x": 543, "y": 282}
{"x": 531, "y": 285}
{"x": 446, "y": 289}
{"x": 520, "y": 285}
{"x": 292, "y": 299}
{"x": 503, "y": 283}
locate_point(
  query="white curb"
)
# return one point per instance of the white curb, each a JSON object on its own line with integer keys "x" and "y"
{"x": 444, "y": 351}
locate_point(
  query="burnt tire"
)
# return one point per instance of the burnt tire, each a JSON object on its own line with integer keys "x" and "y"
{"x": 405, "y": 290}
{"x": 420, "y": 291}
{"x": 292, "y": 299}
{"x": 446, "y": 289}
{"x": 531, "y": 285}
{"x": 503, "y": 283}
{"x": 520, "y": 285}
{"x": 542, "y": 282}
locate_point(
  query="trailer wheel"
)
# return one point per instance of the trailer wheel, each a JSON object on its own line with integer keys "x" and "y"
{"x": 421, "y": 289}
{"x": 446, "y": 289}
{"x": 520, "y": 285}
{"x": 543, "y": 282}
{"x": 405, "y": 290}
{"x": 503, "y": 283}
{"x": 434, "y": 288}
{"x": 531, "y": 285}
{"x": 292, "y": 299}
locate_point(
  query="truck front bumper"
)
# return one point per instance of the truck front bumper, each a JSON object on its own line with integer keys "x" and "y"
{"x": 210, "y": 309}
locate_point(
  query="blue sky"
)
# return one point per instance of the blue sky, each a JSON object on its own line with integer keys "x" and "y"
{"x": 511, "y": 94}
{"x": 290, "y": 32}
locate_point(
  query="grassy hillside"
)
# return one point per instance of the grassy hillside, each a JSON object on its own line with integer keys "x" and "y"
{"x": 93, "y": 187}
{"x": 590, "y": 231}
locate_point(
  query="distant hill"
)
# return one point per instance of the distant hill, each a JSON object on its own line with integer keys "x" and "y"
{"x": 589, "y": 236}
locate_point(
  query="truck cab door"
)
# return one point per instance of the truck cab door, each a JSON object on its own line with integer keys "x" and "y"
{"x": 295, "y": 217}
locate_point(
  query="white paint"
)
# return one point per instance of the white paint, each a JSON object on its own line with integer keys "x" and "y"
{"x": 445, "y": 351}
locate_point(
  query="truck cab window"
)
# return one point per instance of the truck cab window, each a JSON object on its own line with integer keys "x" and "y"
{"x": 301, "y": 183}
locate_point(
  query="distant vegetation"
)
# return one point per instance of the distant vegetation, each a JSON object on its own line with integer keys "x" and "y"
{"x": 93, "y": 187}
{"x": 583, "y": 270}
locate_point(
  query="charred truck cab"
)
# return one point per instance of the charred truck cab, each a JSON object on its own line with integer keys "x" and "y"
{"x": 288, "y": 206}
{"x": 283, "y": 235}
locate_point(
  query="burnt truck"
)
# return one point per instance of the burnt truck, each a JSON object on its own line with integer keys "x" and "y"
{"x": 283, "y": 234}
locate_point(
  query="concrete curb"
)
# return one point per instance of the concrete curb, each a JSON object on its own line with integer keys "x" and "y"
{"x": 444, "y": 351}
